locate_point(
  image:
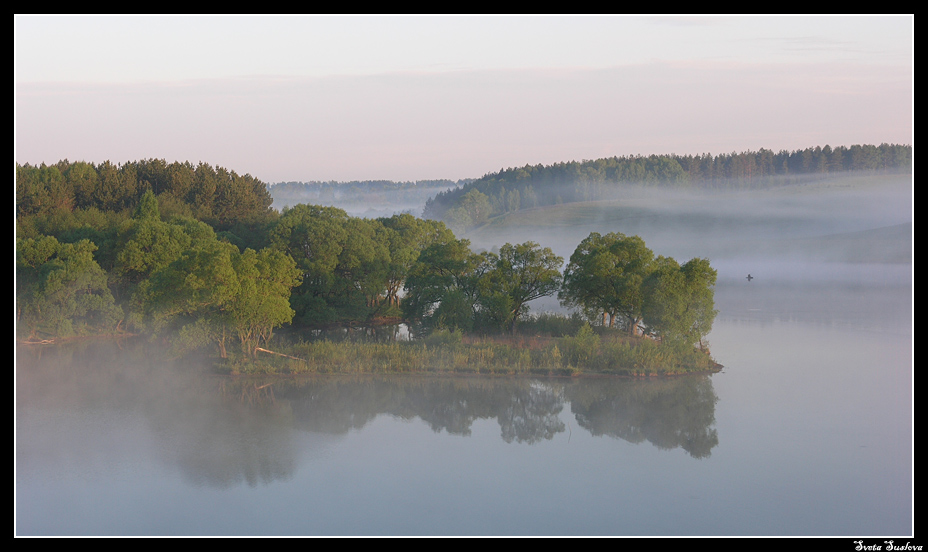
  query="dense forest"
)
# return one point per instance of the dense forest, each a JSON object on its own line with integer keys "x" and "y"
{"x": 531, "y": 186}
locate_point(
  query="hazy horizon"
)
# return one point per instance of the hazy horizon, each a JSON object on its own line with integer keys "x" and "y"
{"x": 415, "y": 98}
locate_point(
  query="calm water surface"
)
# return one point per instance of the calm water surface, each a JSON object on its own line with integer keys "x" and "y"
{"x": 807, "y": 431}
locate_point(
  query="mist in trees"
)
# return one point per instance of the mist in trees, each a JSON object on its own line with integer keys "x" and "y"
{"x": 368, "y": 198}
{"x": 532, "y": 186}
{"x": 196, "y": 253}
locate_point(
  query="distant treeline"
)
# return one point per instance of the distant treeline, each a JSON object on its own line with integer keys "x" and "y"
{"x": 215, "y": 195}
{"x": 534, "y": 186}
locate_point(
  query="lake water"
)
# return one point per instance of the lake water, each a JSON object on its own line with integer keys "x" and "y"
{"x": 807, "y": 431}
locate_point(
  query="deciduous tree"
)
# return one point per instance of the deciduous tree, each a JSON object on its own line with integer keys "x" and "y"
{"x": 519, "y": 274}
{"x": 61, "y": 290}
{"x": 679, "y": 302}
{"x": 605, "y": 274}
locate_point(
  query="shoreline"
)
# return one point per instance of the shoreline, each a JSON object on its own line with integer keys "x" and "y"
{"x": 455, "y": 355}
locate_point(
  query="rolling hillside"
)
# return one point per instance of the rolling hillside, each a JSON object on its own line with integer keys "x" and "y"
{"x": 862, "y": 218}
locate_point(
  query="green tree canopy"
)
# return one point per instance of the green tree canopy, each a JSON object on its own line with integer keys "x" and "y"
{"x": 314, "y": 237}
{"x": 262, "y": 303}
{"x": 345, "y": 261}
{"x": 213, "y": 293}
{"x": 407, "y": 236}
{"x": 453, "y": 288}
{"x": 441, "y": 289}
{"x": 679, "y": 304}
{"x": 518, "y": 274}
{"x": 605, "y": 274}
{"x": 61, "y": 290}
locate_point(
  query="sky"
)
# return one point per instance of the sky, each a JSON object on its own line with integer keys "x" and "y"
{"x": 301, "y": 98}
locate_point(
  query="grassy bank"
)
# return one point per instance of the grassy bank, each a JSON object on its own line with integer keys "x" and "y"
{"x": 451, "y": 352}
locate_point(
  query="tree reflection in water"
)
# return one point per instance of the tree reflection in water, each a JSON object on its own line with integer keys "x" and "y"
{"x": 223, "y": 431}
{"x": 669, "y": 413}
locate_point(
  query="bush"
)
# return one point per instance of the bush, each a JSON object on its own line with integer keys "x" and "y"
{"x": 443, "y": 338}
{"x": 581, "y": 349}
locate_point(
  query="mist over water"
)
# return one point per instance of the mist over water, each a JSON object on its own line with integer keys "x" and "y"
{"x": 830, "y": 248}
{"x": 113, "y": 442}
